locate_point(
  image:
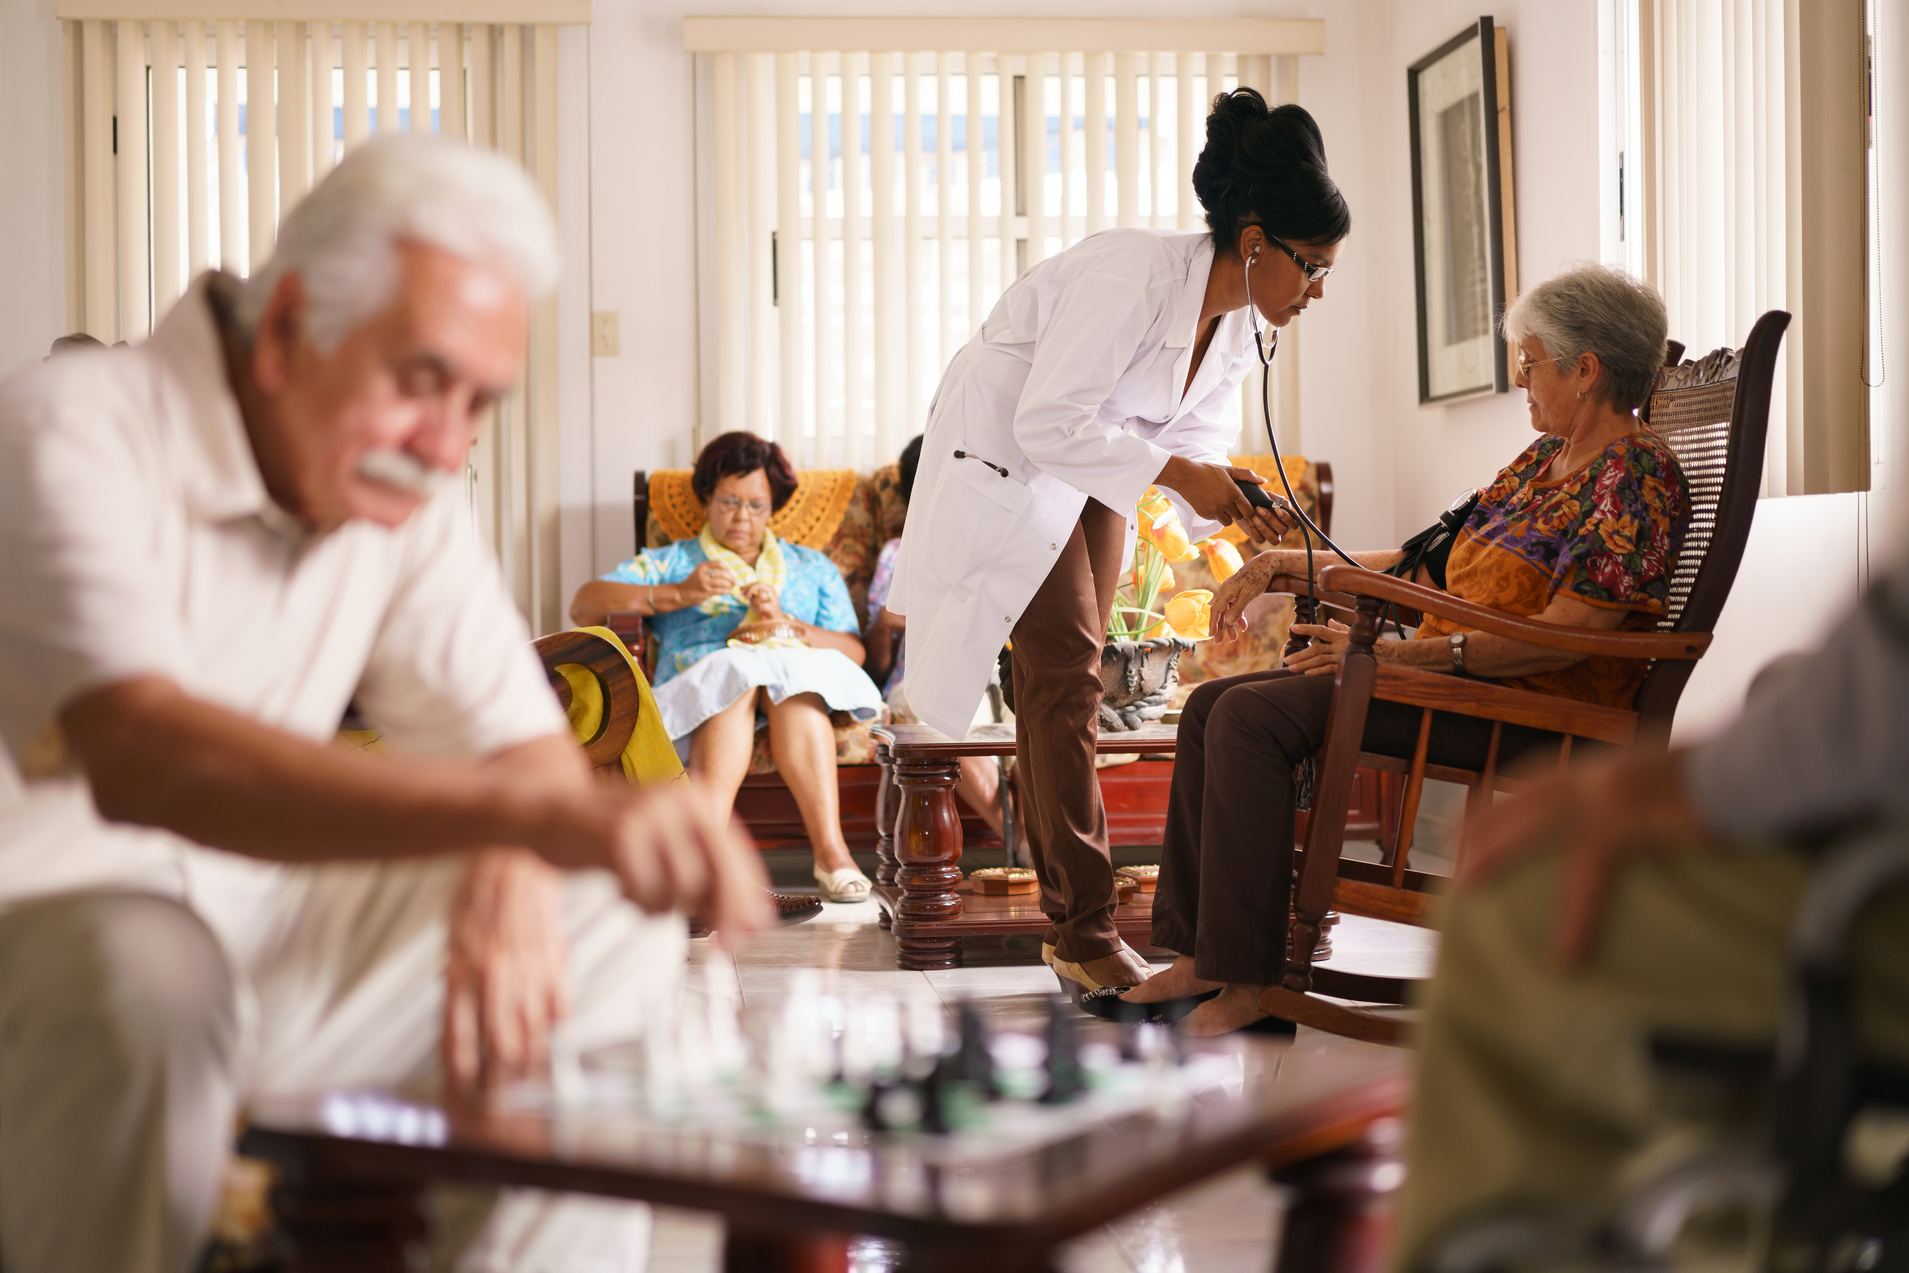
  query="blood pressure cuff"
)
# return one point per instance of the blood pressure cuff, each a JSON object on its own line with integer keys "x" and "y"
{"x": 1432, "y": 547}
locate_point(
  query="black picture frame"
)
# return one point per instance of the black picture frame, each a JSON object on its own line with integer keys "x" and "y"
{"x": 1463, "y": 224}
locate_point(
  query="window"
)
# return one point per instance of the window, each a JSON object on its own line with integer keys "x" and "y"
{"x": 1750, "y": 179}
{"x": 870, "y": 206}
{"x": 188, "y": 140}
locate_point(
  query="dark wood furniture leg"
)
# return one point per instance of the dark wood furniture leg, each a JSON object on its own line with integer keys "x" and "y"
{"x": 746, "y": 1251}
{"x": 1343, "y": 1205}
{"x": 885, "y": 809}
{"x": 352, "y": 1228}
{"x": 927, "y": 854}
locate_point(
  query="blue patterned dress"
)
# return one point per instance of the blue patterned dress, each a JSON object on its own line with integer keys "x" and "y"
{"x": 698, "y": 675}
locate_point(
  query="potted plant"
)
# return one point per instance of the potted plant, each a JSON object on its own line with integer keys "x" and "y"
{"x": 1139, "y": 665}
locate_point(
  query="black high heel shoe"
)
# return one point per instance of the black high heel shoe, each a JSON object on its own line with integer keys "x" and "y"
{"x": 1109, "y": 1004}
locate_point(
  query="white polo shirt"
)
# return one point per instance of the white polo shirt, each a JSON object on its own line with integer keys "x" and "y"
{"x": 137, "y": 538}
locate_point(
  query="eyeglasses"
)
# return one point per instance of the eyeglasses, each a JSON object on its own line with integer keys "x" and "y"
{"x": 1313, "y": 272}
{"x": 1526, "y": 364}
{"x": 729, "y": 504}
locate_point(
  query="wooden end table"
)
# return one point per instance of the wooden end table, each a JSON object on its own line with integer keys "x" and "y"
{"x": 1321, "y": 1115}
{"x": 918, "y": 883}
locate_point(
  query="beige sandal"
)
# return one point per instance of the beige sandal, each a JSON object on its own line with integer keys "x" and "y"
{"x": 845, "y": 885}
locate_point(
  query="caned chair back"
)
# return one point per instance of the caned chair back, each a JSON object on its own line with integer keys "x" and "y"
{"x": 1714, "y": 412}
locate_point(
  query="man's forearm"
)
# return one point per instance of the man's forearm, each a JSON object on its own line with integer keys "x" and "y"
{"x": 156, "y": 756}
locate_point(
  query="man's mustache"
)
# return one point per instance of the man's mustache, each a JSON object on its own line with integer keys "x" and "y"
{"x": 402, "y": 470}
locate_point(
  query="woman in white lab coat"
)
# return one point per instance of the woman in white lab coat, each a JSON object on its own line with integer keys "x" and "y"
{"x": 1102, "y": 371}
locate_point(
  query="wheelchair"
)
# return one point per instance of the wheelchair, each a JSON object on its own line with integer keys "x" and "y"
{"x": 1816, "y": 1179}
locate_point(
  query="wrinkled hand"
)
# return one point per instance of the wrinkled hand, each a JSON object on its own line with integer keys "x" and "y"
{"x": 1324, "y": 651}
{"x": 706, "y": 581}
{"x": 1226, "y": 617}
{"x": 671, "y": 848}
{"x": 504, "y": 968}
{"x": 1606, "y": 812}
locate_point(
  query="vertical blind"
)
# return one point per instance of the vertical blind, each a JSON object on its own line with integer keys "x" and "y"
{"x": 1754, "y": 138}
{"x": 871, "y": 204}
{"x": 195, "y": 135}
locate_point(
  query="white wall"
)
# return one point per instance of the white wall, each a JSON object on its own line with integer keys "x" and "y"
{"x": 32, "y": 183}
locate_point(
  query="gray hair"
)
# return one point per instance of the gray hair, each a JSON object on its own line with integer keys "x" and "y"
{"x": 341, "y": 239}
{"x": 1600, "y": 310}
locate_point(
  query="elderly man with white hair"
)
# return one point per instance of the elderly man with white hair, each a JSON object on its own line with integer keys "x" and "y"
{"x": 209, "y": 545}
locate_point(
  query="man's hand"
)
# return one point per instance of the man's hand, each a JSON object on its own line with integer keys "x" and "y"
{"x": 1213, "y": 492}
{"x": 1606, "y": 812}
{"x": 670, "y": 848}
{"x": 504, "y": 968}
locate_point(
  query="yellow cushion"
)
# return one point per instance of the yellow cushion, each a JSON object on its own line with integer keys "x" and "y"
{"x": 809, "y": 518}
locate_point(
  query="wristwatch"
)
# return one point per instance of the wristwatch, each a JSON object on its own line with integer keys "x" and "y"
{"x": 1457, "y": 641}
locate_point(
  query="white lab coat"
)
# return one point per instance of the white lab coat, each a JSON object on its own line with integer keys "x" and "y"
{"x": 1073, "y": 386}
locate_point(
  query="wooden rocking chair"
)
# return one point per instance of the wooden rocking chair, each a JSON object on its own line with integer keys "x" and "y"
{"x": 621, "y": 702}
{"x": 1713, "y": 413}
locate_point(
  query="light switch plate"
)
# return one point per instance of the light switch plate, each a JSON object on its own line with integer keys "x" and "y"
{"x": 604, "y": 341}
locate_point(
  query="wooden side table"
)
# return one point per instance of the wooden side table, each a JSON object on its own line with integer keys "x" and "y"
{"x": 918, "y": 881}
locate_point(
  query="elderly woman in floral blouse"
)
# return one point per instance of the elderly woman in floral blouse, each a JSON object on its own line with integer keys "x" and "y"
{"x": 713, "y": 682}
{"x": 1581, "y": 529}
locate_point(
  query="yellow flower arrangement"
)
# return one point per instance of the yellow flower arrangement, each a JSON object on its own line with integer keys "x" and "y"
{"x": 1222, "y": 559}
{"x": 1163, "y": 539}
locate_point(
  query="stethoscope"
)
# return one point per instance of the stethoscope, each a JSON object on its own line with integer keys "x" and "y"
{"x": 1307, "y": 526}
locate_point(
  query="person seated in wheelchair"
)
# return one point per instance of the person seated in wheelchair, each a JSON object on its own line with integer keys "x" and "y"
{"x": 1582, "y": 528}
{"x": 754, "y": 632}
{"x": 1616, "y": 923}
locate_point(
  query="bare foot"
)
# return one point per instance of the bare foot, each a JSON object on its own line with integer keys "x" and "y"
{"x": 1176, "y": 981}
{"x": 1235, "y": 1007}
{"x": 1121, "y": 968}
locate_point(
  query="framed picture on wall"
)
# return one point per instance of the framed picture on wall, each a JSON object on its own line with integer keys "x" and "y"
{"x": 1462, "y": 223}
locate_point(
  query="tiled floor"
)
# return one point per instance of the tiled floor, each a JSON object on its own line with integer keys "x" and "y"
{"x": 1225, "y": 1225}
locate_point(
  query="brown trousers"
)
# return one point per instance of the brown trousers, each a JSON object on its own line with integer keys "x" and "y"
{"x": 1226, "y": 869}
{"x": 1057, "y": 646}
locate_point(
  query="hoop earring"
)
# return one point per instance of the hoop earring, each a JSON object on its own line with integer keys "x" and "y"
{"x": 1580, "y": 395}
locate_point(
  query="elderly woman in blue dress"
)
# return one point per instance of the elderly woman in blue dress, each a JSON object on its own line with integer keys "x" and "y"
{"x": 751, "y": 629}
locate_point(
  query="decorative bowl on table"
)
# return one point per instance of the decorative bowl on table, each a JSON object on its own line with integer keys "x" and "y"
{"x": 1000, "y": 881}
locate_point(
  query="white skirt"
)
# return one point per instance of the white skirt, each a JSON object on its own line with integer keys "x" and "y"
{"x": 716, "y": 680}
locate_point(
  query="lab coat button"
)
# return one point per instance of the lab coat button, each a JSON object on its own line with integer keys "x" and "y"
{"x": 1053, "y": 548}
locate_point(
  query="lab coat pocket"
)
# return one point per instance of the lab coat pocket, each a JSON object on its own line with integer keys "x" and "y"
{"x": 976, "y": 511}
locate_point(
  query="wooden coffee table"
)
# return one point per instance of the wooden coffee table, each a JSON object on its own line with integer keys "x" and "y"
{"x": 1321, "y": 1113}
{"x": 918, "y": 883}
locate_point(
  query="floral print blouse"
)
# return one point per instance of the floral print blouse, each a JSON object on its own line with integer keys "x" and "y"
{"x": 1607, "y": 534}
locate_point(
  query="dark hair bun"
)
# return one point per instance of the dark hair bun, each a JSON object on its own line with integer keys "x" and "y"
{"x": 1267, "y": 166}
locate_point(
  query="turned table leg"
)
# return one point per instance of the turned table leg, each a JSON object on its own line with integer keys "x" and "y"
{"x": 927, "y": 853}
{"x": 885, "y": 808}
{"x": 338, "y": 1228}
{"x": 1341, "y": 1214}
{"x": 745, "y": 1251}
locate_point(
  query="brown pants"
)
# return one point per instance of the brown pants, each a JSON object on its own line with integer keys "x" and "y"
{"x": 1226, "y": 869}
{"x": 1057, "y": 648}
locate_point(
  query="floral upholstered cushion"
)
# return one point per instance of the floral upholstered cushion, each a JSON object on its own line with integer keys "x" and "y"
{"x": 891, "y": 508}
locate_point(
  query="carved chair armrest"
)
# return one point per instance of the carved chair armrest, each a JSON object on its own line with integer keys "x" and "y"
{"x": 1295, "y": 585}
{"x": 1623, "y": 645}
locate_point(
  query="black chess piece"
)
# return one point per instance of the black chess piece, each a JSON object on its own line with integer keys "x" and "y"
{"x": 1064, "y": 1080}
{"x": 973, "y": 1060}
